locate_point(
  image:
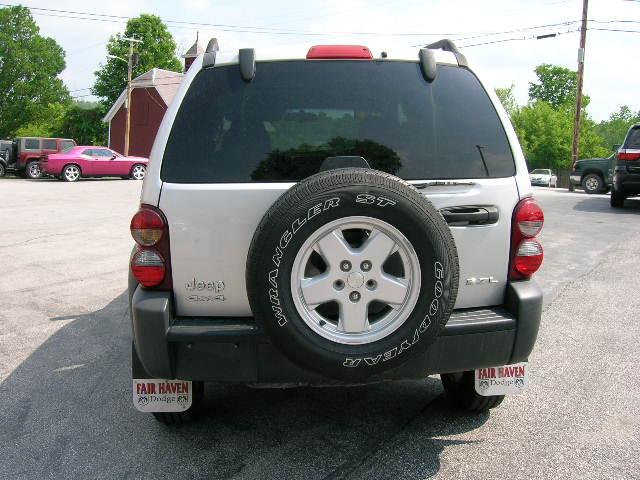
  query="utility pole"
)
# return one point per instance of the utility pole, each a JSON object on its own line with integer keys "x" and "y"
{"x": 581, "y": 52}
{"x": 129, "y": 72}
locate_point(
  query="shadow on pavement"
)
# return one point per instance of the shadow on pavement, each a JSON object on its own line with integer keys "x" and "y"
{"x": 67, "y": 413}
{"x": 601, "y": 205}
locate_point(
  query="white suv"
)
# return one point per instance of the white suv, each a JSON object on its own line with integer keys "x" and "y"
{"x": 333, "y": 215}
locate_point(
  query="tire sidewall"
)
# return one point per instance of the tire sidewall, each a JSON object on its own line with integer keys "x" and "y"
{"x": 28, "y": 170}
{"x": 270, "y": 280}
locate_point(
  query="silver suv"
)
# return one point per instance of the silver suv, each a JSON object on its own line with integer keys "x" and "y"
{"x": 333, "y": 215}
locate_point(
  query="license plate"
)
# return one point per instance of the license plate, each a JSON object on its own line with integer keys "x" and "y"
{"x": 155, "y": 395}
{"x": 505, "y": 380}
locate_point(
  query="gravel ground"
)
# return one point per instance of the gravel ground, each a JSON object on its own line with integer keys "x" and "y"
{"x": 64, "y": 367}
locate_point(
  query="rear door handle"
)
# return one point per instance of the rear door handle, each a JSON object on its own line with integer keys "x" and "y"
{"x": 462, "y": 215}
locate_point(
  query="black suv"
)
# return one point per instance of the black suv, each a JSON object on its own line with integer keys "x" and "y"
{"x": 626, "y": 175}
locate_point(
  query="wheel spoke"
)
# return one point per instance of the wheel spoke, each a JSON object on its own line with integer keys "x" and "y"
{"x": 333, "y": 248}
{"x": 391, "y": 290}
{"x": 317, "y": 290}
{"x": 354, "y": 317}
{"x": 378, "y": 247}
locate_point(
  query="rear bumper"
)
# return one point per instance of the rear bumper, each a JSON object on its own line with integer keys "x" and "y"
{"x": 236, "y": 350}
{"x": 627, "y": 183}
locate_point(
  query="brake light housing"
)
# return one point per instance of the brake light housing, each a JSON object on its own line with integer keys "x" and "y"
{"x": 150, "y": 263}
{"x": 628, "y": 155}
{"x": 339, "y": 52}
{"x": 526, "y": 251}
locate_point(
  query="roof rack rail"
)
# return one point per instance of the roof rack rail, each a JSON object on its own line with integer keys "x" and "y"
{"x": 448, "y": 46}
{"x": 209, "y": 58}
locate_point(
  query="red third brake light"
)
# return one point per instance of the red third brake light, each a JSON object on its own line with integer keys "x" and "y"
{"x": 339, "y": 52}
{"x": 150, "y": 263}
{"x": 526, "y": 251}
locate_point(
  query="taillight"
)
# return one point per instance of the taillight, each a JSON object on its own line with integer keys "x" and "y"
{"x": 148, "y": 267}
{"x": 526, "y": 251}
{"x": 339, "y": 52}
{"x": 146, "y": 227}
{"x": 150, "y": 264}
{"x": 629, "y": 155}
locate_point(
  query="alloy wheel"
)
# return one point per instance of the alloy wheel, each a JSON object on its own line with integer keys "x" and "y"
{"x": 355, "y": 280}
{"x": 138, "y": 172}
{"x": 71, "y": 173}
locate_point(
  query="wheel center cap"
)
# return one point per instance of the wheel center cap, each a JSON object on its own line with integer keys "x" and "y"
{"x": 355, "y": 280}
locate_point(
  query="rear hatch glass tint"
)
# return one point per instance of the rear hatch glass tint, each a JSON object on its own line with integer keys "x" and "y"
{"x": 295, "y": 114}
{"x": 633, "y": 138}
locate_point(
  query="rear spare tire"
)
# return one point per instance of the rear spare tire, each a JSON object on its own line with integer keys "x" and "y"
{"x": 352, "y": 272}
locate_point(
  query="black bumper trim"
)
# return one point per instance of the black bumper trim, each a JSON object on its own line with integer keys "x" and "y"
{"x": 231, "y": 330}
{"x": 245, "y": 329}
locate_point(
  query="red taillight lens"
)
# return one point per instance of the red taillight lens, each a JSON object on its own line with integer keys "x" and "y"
{"x": 146, "y": 227}
{"x": 528, "y": 258}
{"x": 629, "y": 155}
{"x": 151, "y": 262}
{"x": 526, "y": 252}
{"x": 529, "y": 218}
{"x": 148, "y": 267}
{"x": 337, "y": 52}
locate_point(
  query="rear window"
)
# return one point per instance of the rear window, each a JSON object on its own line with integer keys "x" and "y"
{"x": 67, "y": 145}
{"x": 294, "y": 114}
{"x": 633, "y": 138}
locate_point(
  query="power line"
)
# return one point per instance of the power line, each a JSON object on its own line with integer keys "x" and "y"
{"x": 78, "y": 15}
{"x": 532, "y": 37}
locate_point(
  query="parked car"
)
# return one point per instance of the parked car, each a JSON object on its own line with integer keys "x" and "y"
{"x": 88, "y": 161}
{"x": 594, "y": 175}
{"x": 296, "y": 227}
{"x": 626, "y": 177}
{"x": 25, "y": 152}
{"x": 544, "y": 177}
{"x": 6, "y": 146}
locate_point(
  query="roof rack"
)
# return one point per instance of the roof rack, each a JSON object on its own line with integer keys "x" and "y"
{"x": 209, "y": 58}
{"x": 447, "y": 45}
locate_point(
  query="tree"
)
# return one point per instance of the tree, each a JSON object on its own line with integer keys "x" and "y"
{"x": 29, "y": 67}
{"x": 83, "y": 122}
{"x": 546, "y": 135}
{"x": 48, "y": 125}
{"x": 613, "y": 130}
{"x": 156, "y": 50}
{"x": 556, "y": 86}
{"x": 508, "y": 99}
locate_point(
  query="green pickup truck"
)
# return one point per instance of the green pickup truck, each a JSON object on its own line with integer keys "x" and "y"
{"x": 593, "y": 175}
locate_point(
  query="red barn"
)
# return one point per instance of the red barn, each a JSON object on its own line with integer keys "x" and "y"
{"x": 151, "y": 94}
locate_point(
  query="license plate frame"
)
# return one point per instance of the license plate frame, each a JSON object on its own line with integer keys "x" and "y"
{"x": 502, "y": 380}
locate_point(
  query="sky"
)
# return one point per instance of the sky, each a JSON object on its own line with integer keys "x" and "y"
{"x": 612, "y": 68}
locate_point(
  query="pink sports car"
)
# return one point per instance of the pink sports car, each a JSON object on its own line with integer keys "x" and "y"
{"x": 79, "y": 162}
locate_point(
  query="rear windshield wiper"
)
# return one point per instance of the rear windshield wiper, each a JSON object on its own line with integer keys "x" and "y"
{"x": 441, "y": 183}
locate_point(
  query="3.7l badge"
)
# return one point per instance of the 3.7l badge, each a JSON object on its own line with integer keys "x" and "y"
{"x": 480, "y": 280}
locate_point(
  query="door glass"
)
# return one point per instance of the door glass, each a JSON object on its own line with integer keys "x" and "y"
{"x": 32, "y": 143}
{"x": 49, "y": 144}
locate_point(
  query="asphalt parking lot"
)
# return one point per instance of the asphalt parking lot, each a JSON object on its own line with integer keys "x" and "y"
{"x": 65, "y": 390}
